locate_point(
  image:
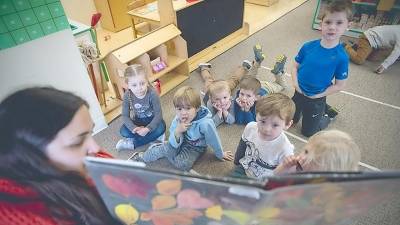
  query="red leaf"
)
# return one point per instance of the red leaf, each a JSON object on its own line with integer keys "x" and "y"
{"x": 127, "y": 186}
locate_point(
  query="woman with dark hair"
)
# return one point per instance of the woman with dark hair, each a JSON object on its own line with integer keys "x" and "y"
{"x": 45, "y": 135}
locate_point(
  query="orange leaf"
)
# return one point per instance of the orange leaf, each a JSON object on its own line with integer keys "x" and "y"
{"x": 169, "y": 187}
{"x": 163, "y": 202}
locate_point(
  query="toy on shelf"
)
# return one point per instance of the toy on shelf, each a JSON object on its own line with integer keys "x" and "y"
{"x": 157, "y": 86}
{"x": 157, "y": 65}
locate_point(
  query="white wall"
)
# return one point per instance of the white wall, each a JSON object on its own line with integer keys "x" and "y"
{"x": 79, "y": 10}
{"x": 52, "y": 60}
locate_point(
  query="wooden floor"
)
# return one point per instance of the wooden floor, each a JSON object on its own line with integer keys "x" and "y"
{"x": 257, "y": 17}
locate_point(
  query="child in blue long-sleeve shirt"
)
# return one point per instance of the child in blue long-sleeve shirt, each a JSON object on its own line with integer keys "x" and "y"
{"x": 191, "y": 131}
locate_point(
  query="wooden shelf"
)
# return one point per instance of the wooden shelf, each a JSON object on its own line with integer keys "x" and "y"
{"x": 170, "y": 81}
{"x": 146, "y": 43}
{"x": 173, "y": 62}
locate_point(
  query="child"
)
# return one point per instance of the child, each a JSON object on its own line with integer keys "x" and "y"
{"x": 244, "y": 105}
{"x": 379, "y": 37}
{"x": 218, "y": 92}
{"x": 331, "y": 150}
{"x": 316, "y": 64}
{"x": 141, "y": 111}
{"x": 264, "y": 145}
{"x": 191, "y": 131}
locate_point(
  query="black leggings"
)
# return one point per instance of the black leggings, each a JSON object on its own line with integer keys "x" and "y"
{"x": 313, "y": 111}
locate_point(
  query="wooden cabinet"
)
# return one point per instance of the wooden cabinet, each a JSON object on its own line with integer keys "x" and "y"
{"x": 114, "y": 14}
{"x": 366, "y": 14}
{"x": 166, "y": 43}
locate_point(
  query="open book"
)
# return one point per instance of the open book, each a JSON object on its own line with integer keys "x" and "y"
{"x": 139, "y": 195}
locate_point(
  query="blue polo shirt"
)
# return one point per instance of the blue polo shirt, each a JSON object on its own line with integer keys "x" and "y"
{"x": 318, "y": 66}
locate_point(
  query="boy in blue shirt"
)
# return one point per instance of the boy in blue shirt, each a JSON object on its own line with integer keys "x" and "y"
{"x": 191, "y": 131}
{"x": 316, "y": 65}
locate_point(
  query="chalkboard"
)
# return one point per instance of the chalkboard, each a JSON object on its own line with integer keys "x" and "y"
{"x": 207, "y": 22}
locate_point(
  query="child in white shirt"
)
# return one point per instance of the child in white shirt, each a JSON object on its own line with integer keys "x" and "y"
{"x": 264, "y": 145}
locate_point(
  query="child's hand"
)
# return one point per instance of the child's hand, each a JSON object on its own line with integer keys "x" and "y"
{"x": 136, "y": 129}
{"x": 228, "y": 156}
{"x": 143, "y": 131}
{"x": 226, "y": 106}
{"x": 249, "y": 105}
{"x": 292, "y": 161}
{"x": 380, "y": 69}
{"x": 182, "y": 127}
{"x": 241, "y": 103}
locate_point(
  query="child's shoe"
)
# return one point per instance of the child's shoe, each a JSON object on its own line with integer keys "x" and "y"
{"x": 279, "y": 71}
{"x": 125, "y": 144}
{"x": 137, "y": 157}
{"x": 247, "y": 65}
{"x": 259, "y": 55}
{"x": 332, "y": 112}
{"x": 204, "y": 66}
{"x": 279, "y": 67}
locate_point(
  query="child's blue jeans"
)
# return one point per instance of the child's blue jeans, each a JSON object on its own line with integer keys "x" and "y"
{"x": 142, "y": 140}
{"x": 182, "y": 157}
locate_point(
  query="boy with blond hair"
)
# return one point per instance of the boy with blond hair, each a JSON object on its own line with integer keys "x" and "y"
{"x": 331, "y": 150}
{"x": 321, "y": 69}
{"x": 191, "y": 131}
{"x": 264, "y": 145}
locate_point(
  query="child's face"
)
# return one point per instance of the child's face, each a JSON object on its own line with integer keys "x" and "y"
{"x": 334, "y": 25}
{"x": 138, "y": 85}
{"x": 186, "y": 114}
{"x": 221, "y": 98}
{"x": 247, "y": 96}
{"x": 270, "y": 127}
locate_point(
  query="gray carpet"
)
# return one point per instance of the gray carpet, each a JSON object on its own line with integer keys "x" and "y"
{"x": 375, "y": 127}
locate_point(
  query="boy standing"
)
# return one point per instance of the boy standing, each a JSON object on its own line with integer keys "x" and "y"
{"x": 264, "y": 145}
{"x": 317, "y": 63}
{"x": 190, "y": 132}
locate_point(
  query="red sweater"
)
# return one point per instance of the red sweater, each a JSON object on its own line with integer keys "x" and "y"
{"x": 31, "y": 210}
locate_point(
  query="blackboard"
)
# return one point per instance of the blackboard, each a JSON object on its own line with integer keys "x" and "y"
{"x": 207, "y": 22}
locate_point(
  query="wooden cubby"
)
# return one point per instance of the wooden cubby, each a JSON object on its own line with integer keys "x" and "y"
{"x": 165, "y": 42}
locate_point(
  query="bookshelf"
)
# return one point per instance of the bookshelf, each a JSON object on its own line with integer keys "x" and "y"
{"x": 165, "y": 43}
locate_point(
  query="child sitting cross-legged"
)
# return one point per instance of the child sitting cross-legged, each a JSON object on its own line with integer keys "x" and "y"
{"x": 141, "y": 111}
{"x": 264, "y": 145}
{"x": 330, "y": 150}
{"x": 190, "y": 132}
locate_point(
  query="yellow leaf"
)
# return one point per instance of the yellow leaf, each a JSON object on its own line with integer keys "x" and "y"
{"x": 214, "y": 212}
{"x": 238, "y": 216}
{"x": 126, "y": 213}
{"x": 268, "y": 213}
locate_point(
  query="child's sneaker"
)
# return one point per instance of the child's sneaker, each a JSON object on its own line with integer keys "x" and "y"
{"x": 125, "y": 144}
{"x": 259, "y": 55}
{"x": 332, "y": 112}
{"x": 247, "y": 65}
{"x": 137, "y": 157}
{"x": 279, "y": 67}
{"x": 204, "y": 66}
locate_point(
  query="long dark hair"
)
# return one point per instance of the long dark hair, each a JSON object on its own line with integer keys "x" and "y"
{"x": 29, "y": 120}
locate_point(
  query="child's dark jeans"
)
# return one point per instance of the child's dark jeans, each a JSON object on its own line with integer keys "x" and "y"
{"x": 313, "y": 111}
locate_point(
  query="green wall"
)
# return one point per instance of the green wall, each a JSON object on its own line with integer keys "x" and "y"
{"x": 25, "y": 20}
